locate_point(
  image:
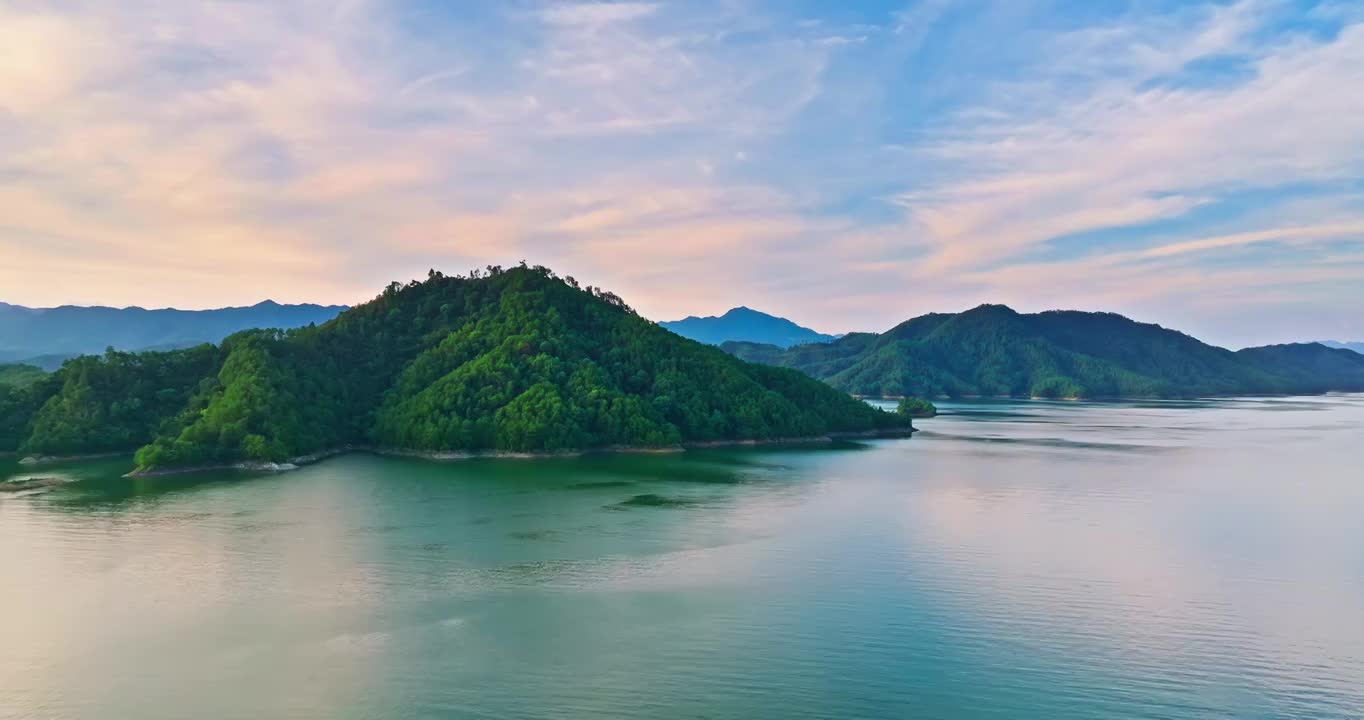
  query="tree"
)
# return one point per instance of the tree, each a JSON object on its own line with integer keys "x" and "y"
{"x": 916, "y": 408}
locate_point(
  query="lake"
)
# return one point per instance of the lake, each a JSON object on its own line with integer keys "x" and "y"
{"x": 1014, "y": 560}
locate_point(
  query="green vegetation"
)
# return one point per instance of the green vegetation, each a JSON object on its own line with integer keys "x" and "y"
{"x": 507, "y": 360}
{"x": 916, "y": 408}
{"x": 117, "y": 401}
{"x": 994, "y": 351}
{"x": 17, "y": 407}
{"x": 19, "y": 375}
{"x": 1309, "y": 367}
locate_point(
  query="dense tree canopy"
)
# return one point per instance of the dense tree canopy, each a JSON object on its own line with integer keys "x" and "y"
{"x": 510, "y": 360}
{"x": 113, "y": 402}
{"x": 18, "y": 375}
{"x": 994, "y": 351}
{"x": 916, "y": 408}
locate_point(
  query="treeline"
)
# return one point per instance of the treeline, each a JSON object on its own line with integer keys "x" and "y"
{"x": 106, "y": 403}
{"x": 20, "y": 374}
{"x": 994, "y": 351}
{"x": 503, "y": 359}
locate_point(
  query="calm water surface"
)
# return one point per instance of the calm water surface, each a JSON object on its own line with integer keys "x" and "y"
{"x": 1014, "y": 560}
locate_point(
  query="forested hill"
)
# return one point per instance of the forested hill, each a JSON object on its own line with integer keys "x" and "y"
{"x": 512, "y": 360}
{"x": 995, "y": 351}
{"x": 744, "y": 324}
{"x": 69, "y": 330}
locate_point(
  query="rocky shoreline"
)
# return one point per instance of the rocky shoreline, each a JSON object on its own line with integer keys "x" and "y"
{"x": 293, "y": 463}
{"x": 456, "y": 455}
{"x": 36, "y": 460}
{"x": 31, "y": 484}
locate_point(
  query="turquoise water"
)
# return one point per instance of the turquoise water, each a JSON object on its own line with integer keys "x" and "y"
{"x": 1014, "y": 560}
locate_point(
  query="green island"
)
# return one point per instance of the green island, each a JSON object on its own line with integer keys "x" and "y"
{"x": 913, "y": 407}
{"x": 994, "y": 351}
{"x": 504, "y": 360}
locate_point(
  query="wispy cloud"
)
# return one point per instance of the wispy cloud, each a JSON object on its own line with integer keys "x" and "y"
{"x": 325, "y": 144}
{"x": 1134, "y": 145}
{"x": 596, "y": 14}
{"x": 846, "y": 169}
{"x": 1122, "y": 129}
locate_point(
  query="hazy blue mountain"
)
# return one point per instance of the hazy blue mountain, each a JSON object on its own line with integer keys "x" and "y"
{"x": 28, "y": 334}
{"x": 745, "y": 325}
{"x": 1355, "y": 346}
{"x": 45, "y": 362}
{"x": 994, "y": 351}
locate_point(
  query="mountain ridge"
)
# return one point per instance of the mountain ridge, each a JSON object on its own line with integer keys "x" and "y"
{"x": 745, "y": 324}
{"x": 67, "y": 330}
{"x": 1343, "y": 345}
{"x": 994, "y": 350}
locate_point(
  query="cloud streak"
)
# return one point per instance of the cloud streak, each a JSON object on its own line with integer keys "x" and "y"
{"x": 848, "y": 171}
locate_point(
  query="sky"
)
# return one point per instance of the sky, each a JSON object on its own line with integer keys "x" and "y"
{"x": 848, "y": 165}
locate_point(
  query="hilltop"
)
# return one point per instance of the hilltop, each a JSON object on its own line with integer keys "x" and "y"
{"x": 992, "y": 350}
{"x": 746, "y": 325}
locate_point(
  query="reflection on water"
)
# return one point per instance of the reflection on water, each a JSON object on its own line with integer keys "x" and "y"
{"x": 1014, "y": 560}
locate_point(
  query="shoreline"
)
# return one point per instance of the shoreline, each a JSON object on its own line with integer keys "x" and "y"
{"x": 40, "y": 460}
{"x": 33, "y": 483}
{"x": 295, "y": 463}
{"x": 1114, "y": 398}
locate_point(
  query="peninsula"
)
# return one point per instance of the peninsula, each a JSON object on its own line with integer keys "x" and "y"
{"x": 512, "y": 360}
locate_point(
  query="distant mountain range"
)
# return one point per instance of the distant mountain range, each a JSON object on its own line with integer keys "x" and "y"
{"x": 995, "y": 351}
{"x": 744, "y": 324}
{"x": 46, "y": 336}
{"x": 990, "y": 350}
{"x": 1355, "y": 346}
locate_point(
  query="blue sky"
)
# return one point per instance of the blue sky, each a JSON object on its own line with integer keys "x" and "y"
{"x": 848, "y": 165}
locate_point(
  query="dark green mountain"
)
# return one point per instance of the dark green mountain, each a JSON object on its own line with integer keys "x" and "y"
{"x": 743, "y": 324}
{"x": 1309, "y": 367}
{"x": 994, "y": 351}
{"x": 28, "y": 333}
{"x": 516, "y": 360}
